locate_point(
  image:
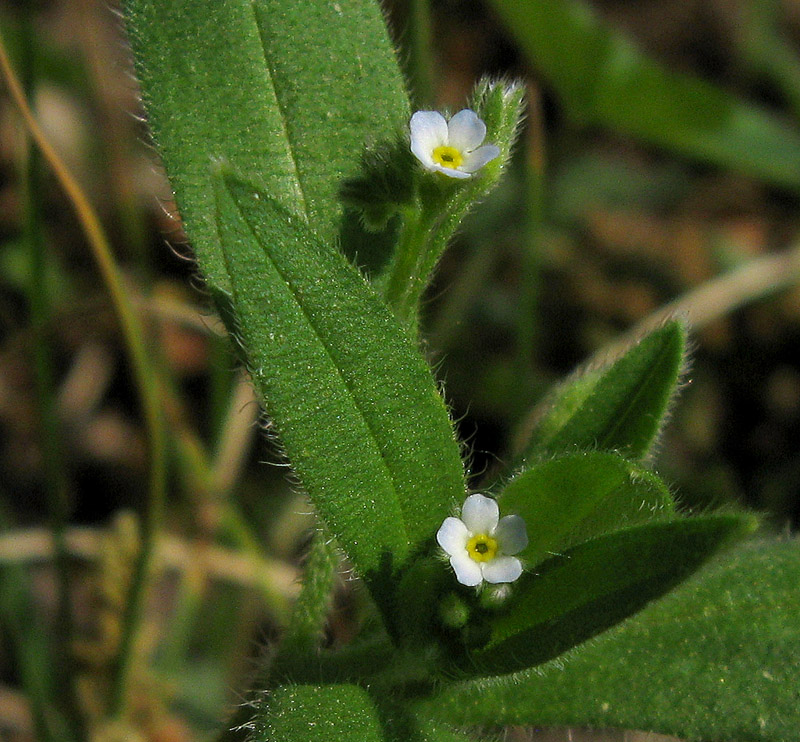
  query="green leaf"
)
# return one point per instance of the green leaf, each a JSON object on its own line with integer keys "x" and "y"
{"x": 401, "y": 725}
{"x": 317, "y": 713}
{"x": 595, "y": 585}
{"x": 718, "y": 658}
{"x": 307, "y": 713}
{"x": 617, "y": 406}
{"x": 602, "y": 78}
{"x": 579, "y": 496}
{"x": 352, "y": 400}
{"x": 287, "y": 92}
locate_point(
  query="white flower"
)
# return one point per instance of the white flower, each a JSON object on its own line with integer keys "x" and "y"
{"x": 480, "y": 543}
{"x": 452, "y": 148}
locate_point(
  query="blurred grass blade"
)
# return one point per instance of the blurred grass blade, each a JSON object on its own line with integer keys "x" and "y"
{"x": 353, "y": 401}
{"x": 579, "y": 496}
{"x": 604, "y": 79}
{"x": 618, "y": 406}
{"x": 32, "y": 654}
{"x": 317, "y": 713}
{"x": 147, "y": 387}
{"x": 718, "y": 658}
{"x": 595, "y": 585}
{"x": 56, "y": 478}
{"x": 287, "y": 92}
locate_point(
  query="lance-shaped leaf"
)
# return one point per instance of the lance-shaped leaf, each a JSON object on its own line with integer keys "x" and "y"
{"x": 593, "y": 586}
{"x": 287, "y": 92}
{"x": 718, "y": 658}
{"x": 618, "y": 406}
{"x": 353, "y": 401}
{"x": 579, "y": 496}
{"x": 602, "y": 78}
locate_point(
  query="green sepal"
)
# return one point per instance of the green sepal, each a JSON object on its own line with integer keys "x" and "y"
{"x": 579, "y": 496}
{"x": 384, "y": 184}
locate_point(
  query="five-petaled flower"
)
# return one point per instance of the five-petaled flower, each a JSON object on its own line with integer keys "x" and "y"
{"x": 452, "y": 147}
{"x": 480, "y": 543}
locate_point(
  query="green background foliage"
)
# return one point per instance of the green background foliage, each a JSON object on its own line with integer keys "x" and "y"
{"x": 606, "y": 80}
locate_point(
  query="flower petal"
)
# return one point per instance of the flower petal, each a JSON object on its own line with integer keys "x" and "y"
{"x": 476, "y": 160}
{"x": 428, "y": 131}
{"x": 466, "y": 131}
{"x": 501, "y": 569}
{"x": 480, "y": 514}
{"x": 468, "y": 571}
{"x": 453, "y": 536}
{"x": 450, "y": 172}
{"x": 511, "y": 534}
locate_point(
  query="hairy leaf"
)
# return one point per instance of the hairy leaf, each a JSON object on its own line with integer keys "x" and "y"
{"x": 617, "y": 406}
{"x": 578, "y": 496}
{"x": 287, "y": 92}
{"x": 593, "y": 586}
{"x": 317, "y": 713}
{"x": 718, "y": 658}
{"x": 353, "y": 401}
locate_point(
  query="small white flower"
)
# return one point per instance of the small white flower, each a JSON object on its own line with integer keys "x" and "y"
{"x": 480, "y": 543}
{"x": 452, "y": 148}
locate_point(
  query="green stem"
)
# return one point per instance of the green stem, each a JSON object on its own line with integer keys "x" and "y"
{"x": 403, "y": 280}
{"x": 426, "y": 231}
{"x": 311, "y": 610}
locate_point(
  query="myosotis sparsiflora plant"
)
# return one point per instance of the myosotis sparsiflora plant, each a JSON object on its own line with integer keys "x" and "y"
{"x": 290, "y": 144}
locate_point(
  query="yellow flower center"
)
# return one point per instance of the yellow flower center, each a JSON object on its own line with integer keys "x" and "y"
{"x": 447, "y": 156}
{"x": 482, "y": 548}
